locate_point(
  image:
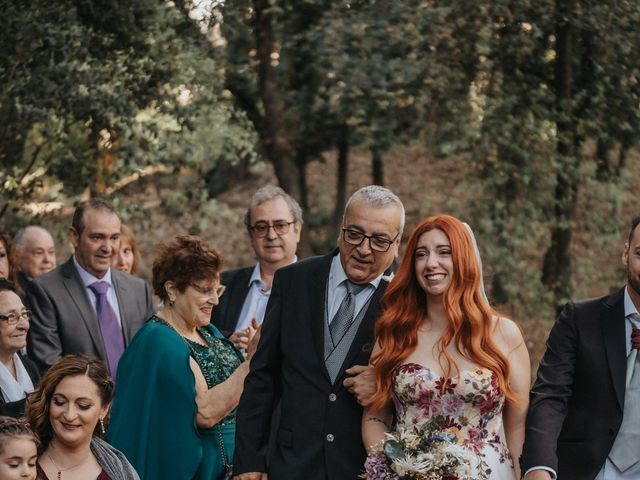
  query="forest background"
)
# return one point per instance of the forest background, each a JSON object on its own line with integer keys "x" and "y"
{"x": 521, "y": 118}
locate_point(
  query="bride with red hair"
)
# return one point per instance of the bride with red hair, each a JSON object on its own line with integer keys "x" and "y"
{"x": 451, "y": 374}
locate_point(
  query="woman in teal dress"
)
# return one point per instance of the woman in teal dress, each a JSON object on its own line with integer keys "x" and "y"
{"x": 180, "y": 380}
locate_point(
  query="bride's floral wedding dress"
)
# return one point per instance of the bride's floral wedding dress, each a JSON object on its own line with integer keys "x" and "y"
{"x": 469, "y": 406}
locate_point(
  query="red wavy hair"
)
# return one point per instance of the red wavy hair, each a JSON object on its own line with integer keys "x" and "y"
{"x": 470, "y": 316}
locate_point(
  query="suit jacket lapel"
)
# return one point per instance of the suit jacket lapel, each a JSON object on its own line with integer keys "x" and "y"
{"x": 318, "y": 301}
{"x": 78, "y": 295}
{"x": 612, "y": 321}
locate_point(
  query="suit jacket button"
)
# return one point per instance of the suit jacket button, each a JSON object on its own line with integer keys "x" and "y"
{"x": 329, "y": 437}
{"x": 332, "y": 397}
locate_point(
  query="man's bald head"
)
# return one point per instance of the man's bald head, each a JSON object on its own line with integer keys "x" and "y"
{"x": 34, "y": 251}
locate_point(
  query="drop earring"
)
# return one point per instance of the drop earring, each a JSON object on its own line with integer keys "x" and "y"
{"x": 102, "y": 425}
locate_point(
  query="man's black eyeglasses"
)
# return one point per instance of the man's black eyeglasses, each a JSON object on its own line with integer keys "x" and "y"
{"x": 14, "y": 318}
{"x": 377, "y": 243}
{"x": 260, "y": 229}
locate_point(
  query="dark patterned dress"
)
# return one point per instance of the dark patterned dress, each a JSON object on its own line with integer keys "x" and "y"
{"x": 218, "y": 360}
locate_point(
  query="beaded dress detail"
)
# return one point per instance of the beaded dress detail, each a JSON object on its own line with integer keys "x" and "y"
{"x": 217, "y": 360}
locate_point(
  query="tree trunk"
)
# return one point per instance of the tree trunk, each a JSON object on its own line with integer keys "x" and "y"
{"x": 377, "y": 165}
{"x": 603, "y": 163}
{"x": 305, "y": 248}
{"x": 556, "y": 271}
{"x": 276, "y": 136}
{"x": 341, "y": 180}
{"x": 276, "y": 141}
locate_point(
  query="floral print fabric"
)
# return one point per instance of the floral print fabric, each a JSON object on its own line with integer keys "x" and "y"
{"x": 470, "y": 405}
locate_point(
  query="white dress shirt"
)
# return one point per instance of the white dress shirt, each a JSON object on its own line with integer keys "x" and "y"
{"x": 255, "y": 303}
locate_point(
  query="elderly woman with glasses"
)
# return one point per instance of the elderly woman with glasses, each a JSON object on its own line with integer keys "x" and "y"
{"x": 18, "y": 374}
{"x": 180, "y": 380}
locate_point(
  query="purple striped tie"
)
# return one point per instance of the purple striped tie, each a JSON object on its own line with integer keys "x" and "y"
{"x": 109, "y": 326}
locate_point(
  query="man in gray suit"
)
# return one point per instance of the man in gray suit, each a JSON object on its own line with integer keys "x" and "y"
{"x": 84, "y": 306}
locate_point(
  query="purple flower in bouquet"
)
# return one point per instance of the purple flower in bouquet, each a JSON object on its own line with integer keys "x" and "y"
{"x": 376, "y": 466}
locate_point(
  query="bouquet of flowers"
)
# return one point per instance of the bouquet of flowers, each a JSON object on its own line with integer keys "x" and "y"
{"x": 425, "y": 452}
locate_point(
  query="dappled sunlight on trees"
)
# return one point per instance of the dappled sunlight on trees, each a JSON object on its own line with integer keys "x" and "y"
{"x": 536, "y": 102}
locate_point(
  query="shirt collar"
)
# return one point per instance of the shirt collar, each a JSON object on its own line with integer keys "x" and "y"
{"x": 256, "y": 274}
{"x": 87, "y": 278}
{"x": 337, "y": 275}
{"x": 629, "y": 307}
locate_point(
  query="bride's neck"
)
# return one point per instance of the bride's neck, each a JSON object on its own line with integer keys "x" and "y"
{"x": 436, "y": 316}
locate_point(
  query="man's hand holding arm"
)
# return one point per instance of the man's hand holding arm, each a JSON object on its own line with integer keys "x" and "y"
{"x": 361, "y": 383}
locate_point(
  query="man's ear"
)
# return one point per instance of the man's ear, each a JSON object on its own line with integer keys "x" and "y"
{"x": 74, "y": 238}
{"x": 625, "y": 254}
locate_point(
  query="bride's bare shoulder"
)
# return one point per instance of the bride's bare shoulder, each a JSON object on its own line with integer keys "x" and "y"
{"x": 507, "y": 333}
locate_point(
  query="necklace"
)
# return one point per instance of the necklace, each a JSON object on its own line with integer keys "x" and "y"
{"x": 60, "y": 470}
{"x": 198, "y": 337}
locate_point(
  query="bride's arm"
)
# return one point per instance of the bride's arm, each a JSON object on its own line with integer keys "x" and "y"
{"x": 375, "y": 423}
{"x": 515, "y": 413}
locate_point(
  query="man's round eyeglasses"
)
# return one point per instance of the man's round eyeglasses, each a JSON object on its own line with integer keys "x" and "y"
{"x": 14, "y": 318}
{"x": 210, "y": 291}
{"x": 260, "y": 229}
{"x": 377, "y": 243}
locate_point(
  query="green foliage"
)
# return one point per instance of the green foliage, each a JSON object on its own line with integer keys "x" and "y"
{"x": 516, "y": 88}
{"x": 95, "y": 91}
{"x": 523, "y": 94}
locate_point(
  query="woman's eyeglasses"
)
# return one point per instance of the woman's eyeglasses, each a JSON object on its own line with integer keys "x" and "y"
{"x": 217, "y": 291}
{"x": 14, "y": 318}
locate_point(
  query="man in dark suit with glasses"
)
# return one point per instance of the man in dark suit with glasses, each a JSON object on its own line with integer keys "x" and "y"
{"x": 274, "y": 222}
{"x": 314, "y": 348}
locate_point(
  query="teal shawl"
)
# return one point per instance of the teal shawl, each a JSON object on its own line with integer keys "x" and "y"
{"x": 154, "y": 410}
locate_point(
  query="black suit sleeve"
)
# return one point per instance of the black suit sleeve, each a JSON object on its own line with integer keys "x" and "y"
{"x": 43, "y": 346}
{"x": 225, "y": 316}
{"x": 261, "y": 391}
{"x": 551, "y": 392}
